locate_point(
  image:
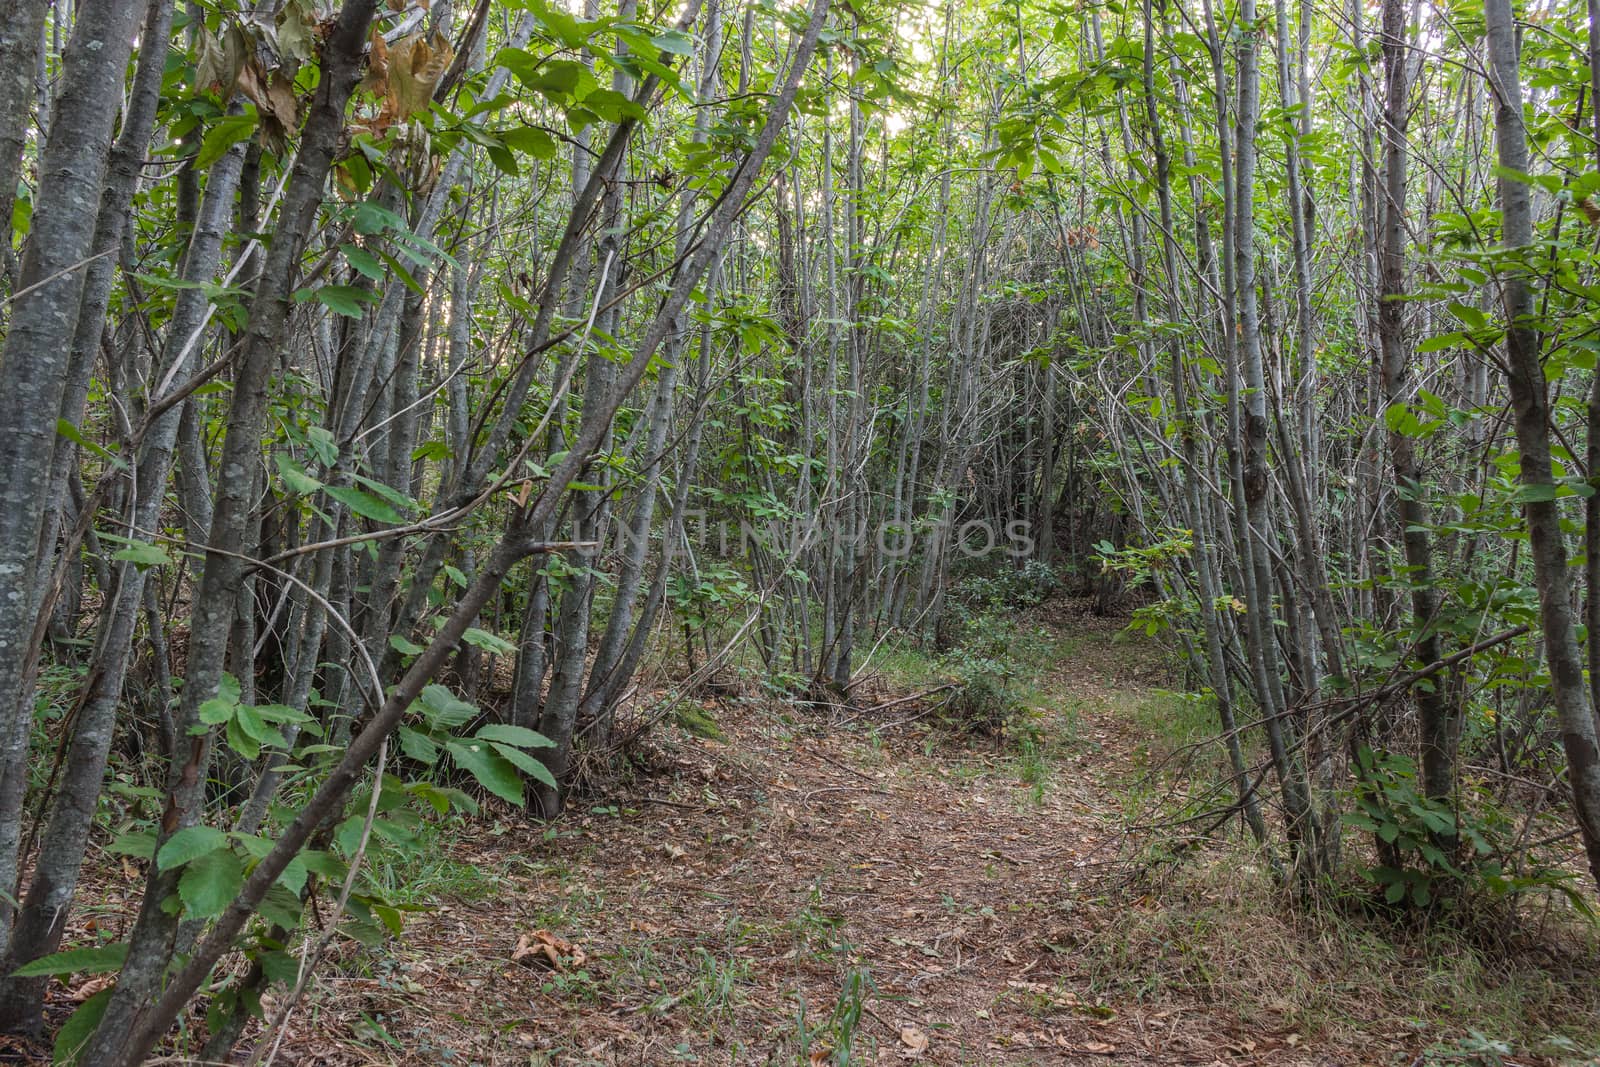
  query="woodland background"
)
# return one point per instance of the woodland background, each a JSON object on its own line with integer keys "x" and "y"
{"x": 373, "y": 374}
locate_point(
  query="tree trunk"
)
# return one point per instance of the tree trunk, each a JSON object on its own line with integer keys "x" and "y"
{"x": 1530, "y": 404}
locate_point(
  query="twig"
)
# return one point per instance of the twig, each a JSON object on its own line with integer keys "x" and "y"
{"x": 896, "y": 703}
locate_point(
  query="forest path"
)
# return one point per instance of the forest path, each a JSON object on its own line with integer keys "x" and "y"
{"x": 811, "y": 882}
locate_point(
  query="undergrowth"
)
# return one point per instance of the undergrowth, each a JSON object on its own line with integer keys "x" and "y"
{"x": 1480, "y": 970}
{"x": 1223, "y": 931}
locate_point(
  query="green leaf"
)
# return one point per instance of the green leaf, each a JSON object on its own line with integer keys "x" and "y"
{"x": 1538, "y": 491}
{"x": 406, "y": 277}
{"x": 242, "y": 740}
{"x": 190, "y": 844}
{"x": 399, "y": 643}
{"x": 252, "y": 723}
{"x": 418, "y": 746}
{"x": 223, "y": 135}
{"x": 143, "y": 554}
{"x": 674, "y": 43}
{"x": 140, "y": 844}
{"x": 75, "y": 435}
{"x": 326, "y": 864}
{"x": 282, "y": 713}
{"x": 390, "y": 917}
{"x": 1470, "y": 316}
{"x": 488, "y": 642}
{"x": 294, "y": 875}
{"x": 370, "y": 219}
{"x": 526, "y": 764}
{"x": 530, "y": 141}
{"x": 442, "y": 709}
{"x": 320, "y": 438}
{"x": 363, "y": 261}
{"x": 79, "y": 1027}
{"x": 344, "y": 300}
{"x": 221, "y": 707}
{"x": 295, "y": 478}
{"x": 279, "y": 966}
{"x": 401, "y": 501}
{"x": 98, "y": 959}
{"x": 365, "y": 504}
{"x": 210, "y": 883}
{"x": 216, "y": 711}
{"x": 492, "y": 771}
{"x": 520, "y": 736}
{"x": 1439, "y": 822}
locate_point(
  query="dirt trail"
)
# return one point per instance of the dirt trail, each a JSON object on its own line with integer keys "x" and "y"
{"x": 807, "y": 883}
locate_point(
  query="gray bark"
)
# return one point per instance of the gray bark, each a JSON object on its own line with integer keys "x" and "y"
{"x": 1530, "y": 404}
{"x": 154, "y": 933}
{"x": 35, "y": 357}
{"x": 21, "y": 34}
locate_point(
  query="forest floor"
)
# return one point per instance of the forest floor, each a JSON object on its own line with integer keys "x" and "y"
{"x": 828, "y": 887}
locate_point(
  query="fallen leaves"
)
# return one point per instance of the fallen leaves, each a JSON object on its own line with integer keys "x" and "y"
{"x": 913, "y": 1042}
{"x": 544, "y": 949}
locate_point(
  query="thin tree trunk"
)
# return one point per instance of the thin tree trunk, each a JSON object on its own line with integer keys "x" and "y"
{"x": 1530, "y": 404}
{"x": 34, "y": 361}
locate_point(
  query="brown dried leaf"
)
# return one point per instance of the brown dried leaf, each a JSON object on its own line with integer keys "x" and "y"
{"x": 211, "y": 67}
{"x": 376, "y": 80}
{"x": 282, "y": 104}
{"x": 416, "y": 65}
{"x": 914, "y": 1042}
{"x": 544, "y": 949}
{"x": 89, "y": 988}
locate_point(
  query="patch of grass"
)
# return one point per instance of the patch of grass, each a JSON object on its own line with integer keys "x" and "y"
{"x": 968, "y": 772}
{"x": 703, "y": 984}
{"x": 428, "y": 870}
{"x": 578, "y": 986}
{"x": 1033, "y": 769}
{"x": 1225, "y": 933}
{"x": 906, "y": 666}
{"x": 814, "y": 927}
{"x": 837, "y": 1039}
{"x": 715, "y": 984}
{"x": 1173, "y": 720}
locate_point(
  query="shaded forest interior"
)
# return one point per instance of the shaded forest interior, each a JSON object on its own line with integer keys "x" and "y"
{"x": 660, "y": 463}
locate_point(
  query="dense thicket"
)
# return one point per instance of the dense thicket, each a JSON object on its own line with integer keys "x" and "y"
{"x": 391, "y": 391}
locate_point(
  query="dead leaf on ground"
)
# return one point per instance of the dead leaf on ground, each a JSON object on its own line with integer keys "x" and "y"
{"x": 90, "y": 987}
{"x": 544, "y": 949}
{"x": 1098, "y": 1048}
{"x": 914, "y": 1040}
